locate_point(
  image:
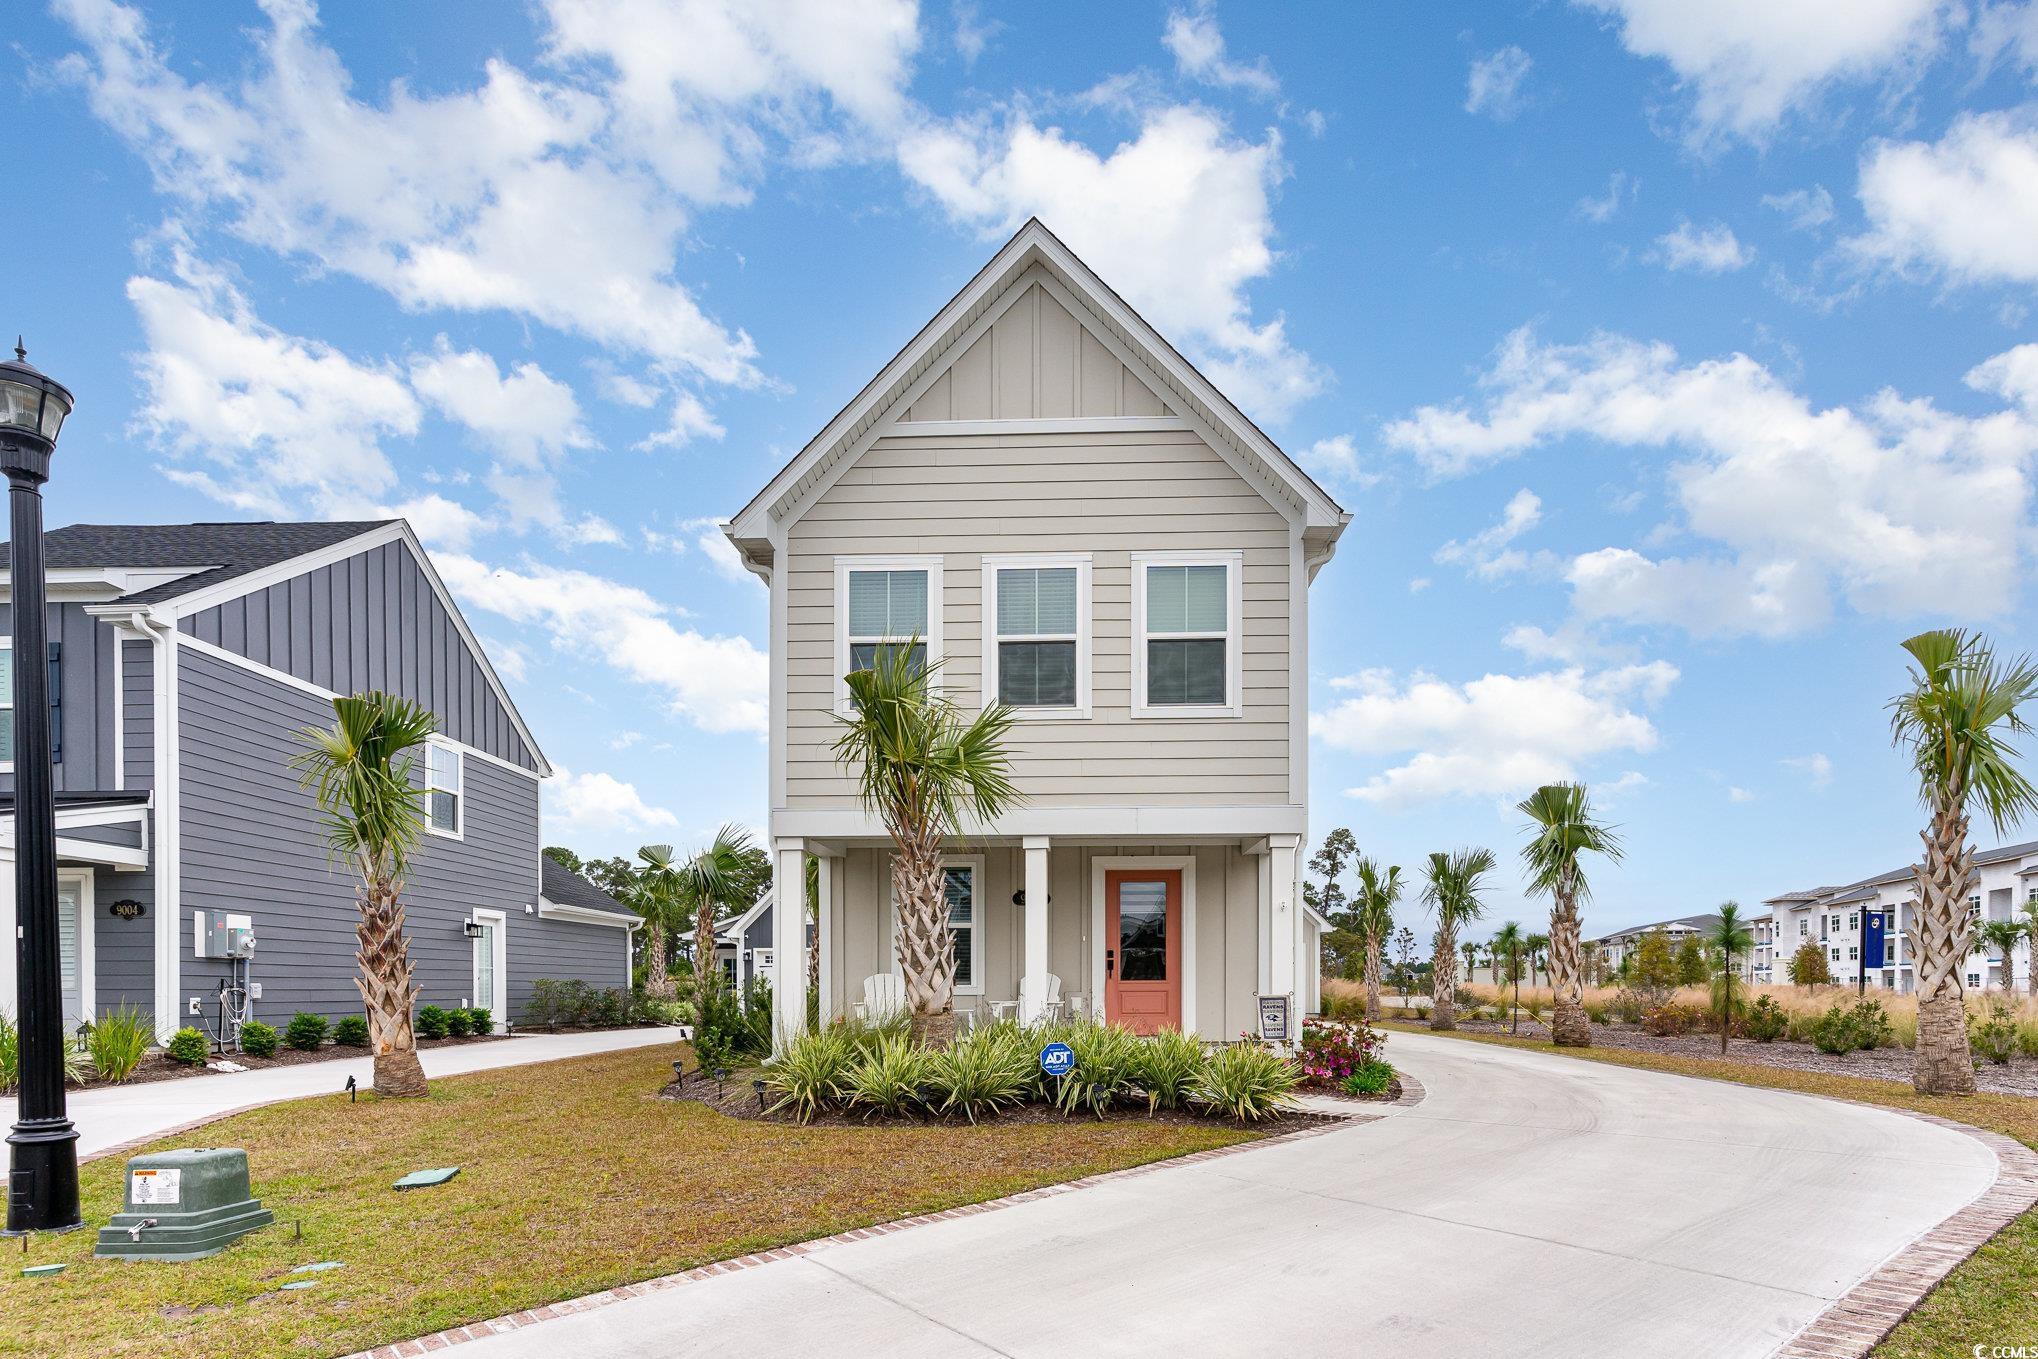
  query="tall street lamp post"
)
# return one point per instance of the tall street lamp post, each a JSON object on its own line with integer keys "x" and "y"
{"x": 42, "y": 1180}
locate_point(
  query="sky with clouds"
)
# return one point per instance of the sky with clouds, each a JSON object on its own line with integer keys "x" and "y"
{"x": 1675, "y": 361}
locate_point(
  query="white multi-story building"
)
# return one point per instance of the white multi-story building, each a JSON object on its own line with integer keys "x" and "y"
{"x": 2006, "y": 884}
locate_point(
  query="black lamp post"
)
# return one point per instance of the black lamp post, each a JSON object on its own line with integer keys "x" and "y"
{"x": 42, "y": 1180}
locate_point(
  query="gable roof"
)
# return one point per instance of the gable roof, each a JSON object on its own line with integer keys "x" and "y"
{"x": 214, "y": 552}
{"x": 563, "y": 887}
{"x": 1700, "y": 923}
{"x": 1228, "y": 430}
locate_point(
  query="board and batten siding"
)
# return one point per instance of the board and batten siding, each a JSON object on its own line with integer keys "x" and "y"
{"x": 86, "y": 707}
{"x": 1108, "y": 494}
{"x": 138, "y": 712}
{"x": 252, "y": 845}
{"x": 124, "y": 951}
{"x": 1036, "y": 362}
{"x": 370, "y": 621}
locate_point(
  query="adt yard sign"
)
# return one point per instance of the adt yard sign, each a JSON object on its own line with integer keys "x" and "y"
{"x": 1057, "y": 1059}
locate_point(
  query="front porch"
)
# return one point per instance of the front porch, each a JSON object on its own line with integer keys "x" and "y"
{"x": 1183, "y": 933}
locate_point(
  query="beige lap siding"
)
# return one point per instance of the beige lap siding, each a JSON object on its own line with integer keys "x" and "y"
{"x": 1107, "y": 494}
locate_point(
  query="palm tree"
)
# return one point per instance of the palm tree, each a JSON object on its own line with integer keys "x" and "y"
{"x": 1508, "y": 943}
{"x": 1537, "y": 947}
{"x": 656, "y": 898}
{"x": 1730, "y": 936}
{"x": 2030, "y": 909}
{"x": 1564, "y": 829}
{"x": 372, "y": 806}
{"x": 1452, "y": 893}
{"x": 1470, "y": 948}
{"x": 922, "y": 766}
{"x": 729, "y": 873}
{"x": 1954, "y": 719}
{"x": 2002, "y": 936}
{"x": 1373, "y": 909}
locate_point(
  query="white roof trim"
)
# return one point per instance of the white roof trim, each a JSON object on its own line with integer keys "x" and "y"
{"x": 735, "y": 928}
{"x": 1034, "y": 246}
{"x": 549, "y": 909}
{"x": 1322, "y": 921}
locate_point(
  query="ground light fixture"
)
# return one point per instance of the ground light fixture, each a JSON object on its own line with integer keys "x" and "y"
{"x": 758, "y": 1086}
{"x": 42, "y": 1180}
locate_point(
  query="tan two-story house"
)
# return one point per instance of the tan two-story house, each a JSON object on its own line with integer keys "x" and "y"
{"x": 1042, "y": 492}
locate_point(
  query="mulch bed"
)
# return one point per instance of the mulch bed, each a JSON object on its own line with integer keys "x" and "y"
{"x": 2019, "y": 1077}
{"x": 738, "y": 1099}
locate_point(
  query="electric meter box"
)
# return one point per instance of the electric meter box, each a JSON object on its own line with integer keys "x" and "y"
{"x": 184, "y": 1205}
{"x": 215, "y": 934}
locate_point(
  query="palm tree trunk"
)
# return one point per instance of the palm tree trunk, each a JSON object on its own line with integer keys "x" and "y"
{"x": 657, "y": 981}
{"x": 1940, "y": 941}
{"x": 388, "y": 992}
{"x": 706, "y": 974}
{"x": 1444, "y": 980}
{"x": 926, "y": 948}
{"x": 1372, "y": 980}
{"x": 1569, "y": 1028}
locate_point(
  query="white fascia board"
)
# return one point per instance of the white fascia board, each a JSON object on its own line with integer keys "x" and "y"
{"x": 1214, "y": 824}
{"x": 98, "y": 584}
{"x": 584, "y": 915}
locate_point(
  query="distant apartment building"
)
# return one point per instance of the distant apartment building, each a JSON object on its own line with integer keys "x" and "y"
{"x": 1616, "y": 948}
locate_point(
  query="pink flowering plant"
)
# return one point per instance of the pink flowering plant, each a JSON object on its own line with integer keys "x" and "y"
{"x": 1333, "y": 1052}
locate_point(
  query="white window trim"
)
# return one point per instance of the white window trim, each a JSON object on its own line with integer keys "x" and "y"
{"x": 498, "y": 1006}
{"x": 459, "y": 831}
{"x": 1234, "y": 564}
{"x": 973, "y": 862}
{"x": 992, "y": 565}
{"x": 932, "y": 639}
{"x": 7, "y": 766}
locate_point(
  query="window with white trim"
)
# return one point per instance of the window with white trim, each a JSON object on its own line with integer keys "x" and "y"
{"x": 1037, "y": 638}
{"x": 445, "y": 788}
{"x": 1186, "y": 607}
{"x": 882, "y": 605}
{"x": 959, "y": 884}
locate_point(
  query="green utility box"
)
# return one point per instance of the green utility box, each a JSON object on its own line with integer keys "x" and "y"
{"x": 184, "y": 1205}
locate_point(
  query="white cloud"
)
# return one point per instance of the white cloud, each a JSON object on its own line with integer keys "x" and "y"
{"x": 973, "y": 32}
{"x": 1815, "y": 767}
{"x": 1198, "y": 48}
{"x": 1417, "y": 584}
{"x": 440, "y": 522}
{"x": 1710, "y": 249}
{"x": 527, "y": 418}
{"x": 2005, "y": 30}
{"x": 1493, "y": 86}
{"x": 1179, "y": 219}
{"x": 1338, "y": 459}
{"x": 1803, "y": 209}
{"x": 1621, "y": 188}
{"x": 721, "y": 554}
{"x": 1739, "y": 795}
{"x": 1750, "y": 63}
{"x": 591, "y": 530}
{"x": 509, "y": 660}
{"x": 1893, "y": 504}
{"x": 690, "y": 420}
{"x": 717, "y": 683}
{"x": 1488, "y": 554}
{"x": 1964, "y": 207}
{"x": 596, "y": 804}
{"x": 626, "y": 390}
{"x": 1499, "y": 735}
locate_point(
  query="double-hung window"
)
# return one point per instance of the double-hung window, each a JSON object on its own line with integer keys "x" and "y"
{"x": 1037, "y": 642}
{"x": 882, "y": 606}
{"x": 445, "y": 789}
{"x": 1186, "y": 657}
{"x": 962, "y": 877}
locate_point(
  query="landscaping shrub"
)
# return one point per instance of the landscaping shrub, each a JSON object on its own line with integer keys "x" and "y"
{"x": 1993, "y": 1034}
{"x": 1421, "y": 1008}
{"x": 306, "y": 1031}
{"x": 1843, "y": 1029}
{"x": 1766, "y": 1021}
{"x": 188, "y": 1046}
{"x": 886, "y": 1078}
{"x": 480, "y": 1021}
{"x": 1533, "y": 1008}
{"x": 458, "y": 1025}
{"x": 1871, "y": 1026}
{"x": 1167, "y": 1067}
{"x": 1629, "y": 1006}
{"x": 981, "y": 1074}
{"x": 1105, "y": 1054}
{"x": 1248, "y": 1082}
{"x": 433, "y": 1022}
{"x": 1598, "y": 1013}
{"x": 10, "y": 1054}
{"x": 610, "y": 1008}
{"x": 811, "y": 1074}
{"x": 1671, "y": 1020}
{"x": 1371, "y": 1079}
{"x": 555, "y": 1003}
{"x": 119, "y": 1041}
{"x": 755, "y": 1015}
{"x": 1331, "y": 1053}
{"x": 2027, "y": 1039}
{"x": 351, "y": 1031}
{"x": 657, "y": 1010}
{"x": 259, "y": 1039}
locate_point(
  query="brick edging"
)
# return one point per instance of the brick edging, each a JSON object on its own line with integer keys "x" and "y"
{"x": 1323, "y": 1122}
{"x": 1865, "y": 1314}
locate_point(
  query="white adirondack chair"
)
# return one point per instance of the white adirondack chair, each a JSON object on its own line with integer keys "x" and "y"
{"x": 1040, "y": 997}
{"x": 884, "y": 996}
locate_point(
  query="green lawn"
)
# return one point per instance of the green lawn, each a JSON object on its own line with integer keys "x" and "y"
{"x": 574, "y": 1178}
{"x": 1992, "y": 1298}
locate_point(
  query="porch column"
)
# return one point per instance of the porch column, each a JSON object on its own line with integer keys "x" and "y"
{"x": 1281, "y": 915}
{"x": 1036, "y": 930}
{"x": 824, "y": 932}
{"x": 789, "y": 938}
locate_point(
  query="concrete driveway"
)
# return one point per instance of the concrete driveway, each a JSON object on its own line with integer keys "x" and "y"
{"x": 1531, "y": 1205}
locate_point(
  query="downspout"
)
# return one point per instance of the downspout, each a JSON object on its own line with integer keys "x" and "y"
{"x": 163, "y": 797}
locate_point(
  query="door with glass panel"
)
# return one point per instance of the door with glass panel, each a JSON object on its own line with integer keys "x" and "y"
{"x": 1143, "y": 949}
{"x": 70, "y": 954}
{"x": 488, "y": 964}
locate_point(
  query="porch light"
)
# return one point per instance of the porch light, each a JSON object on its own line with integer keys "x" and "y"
{"x": 31, "y": 404}
{"x": 471, "y": 928}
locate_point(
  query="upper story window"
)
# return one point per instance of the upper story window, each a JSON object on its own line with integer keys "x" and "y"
{"x": 1186, "y": 658}
{"x": 445, "y": 788}
{"x": 883, "y": 604}
{"x": 1853, "y": 921}
{"x": 1037, "y": 642}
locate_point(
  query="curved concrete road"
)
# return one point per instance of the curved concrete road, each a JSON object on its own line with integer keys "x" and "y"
{"x": 1531, "y": 1205}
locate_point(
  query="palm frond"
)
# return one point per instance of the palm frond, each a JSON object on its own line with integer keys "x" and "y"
{"x": 1957, "y": 718}
{"x": 1562, "y": 828}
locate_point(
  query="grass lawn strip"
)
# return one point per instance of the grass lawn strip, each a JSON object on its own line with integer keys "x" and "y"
{"x": 575, "y": 1179}
{"x": 1991, "y": 1298}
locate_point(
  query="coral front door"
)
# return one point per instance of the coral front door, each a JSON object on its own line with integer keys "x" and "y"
{"x": 1143, "y": 949}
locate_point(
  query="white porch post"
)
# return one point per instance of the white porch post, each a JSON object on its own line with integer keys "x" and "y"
{"x": 1281, "y": 915}
{"x": 824, "y": 933}
{"x": 789, "y": 938}
{"x": 1036, "y": 930}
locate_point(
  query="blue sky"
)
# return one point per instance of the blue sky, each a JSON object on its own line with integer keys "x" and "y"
{"x": 1675, "y": 365}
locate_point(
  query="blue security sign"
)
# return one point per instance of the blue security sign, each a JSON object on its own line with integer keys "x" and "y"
{"x": 1057, "y": 1059}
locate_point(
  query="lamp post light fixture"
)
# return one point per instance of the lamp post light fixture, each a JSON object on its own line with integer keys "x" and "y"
{"x": 42, "y": 1179}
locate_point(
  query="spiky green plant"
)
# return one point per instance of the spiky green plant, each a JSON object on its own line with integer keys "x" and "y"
{"x": 981, "y": 1074}
{"x": 886, "y": 1077}
{"x": 810, "y": 1074}
{"x": 1167, "y": 1067}
{"x": 1249, "y": 1083}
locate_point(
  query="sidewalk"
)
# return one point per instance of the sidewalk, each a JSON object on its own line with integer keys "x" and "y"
{"x": 119, "y": 1115}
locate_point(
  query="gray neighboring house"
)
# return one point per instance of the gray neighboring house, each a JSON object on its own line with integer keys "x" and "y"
{"x": 186, "y": 657}
{"x": 744, "y": 948}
